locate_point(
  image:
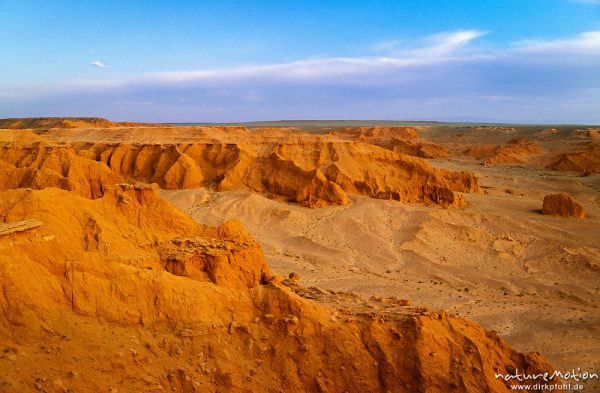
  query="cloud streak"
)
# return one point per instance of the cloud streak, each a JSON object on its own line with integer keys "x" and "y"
{"x": 584, "y": 44}
{"x": 435, "y": 46}
{"x": 445, "y": 44}
{"x": 99, "y": 64}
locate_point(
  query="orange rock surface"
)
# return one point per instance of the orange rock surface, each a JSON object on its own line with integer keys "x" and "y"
{"x": 126, "y": 293}
{"x": 377, "y": 132}
{"x": 313, "y": 170}
{"x": 420, "y": 149}
{"x": 514, "y": 151}
{"x": 585, "y": 158}
{"x": 105, "y": 286}
{"x": 562, "y": 204}
{"x": 404, "y": 140}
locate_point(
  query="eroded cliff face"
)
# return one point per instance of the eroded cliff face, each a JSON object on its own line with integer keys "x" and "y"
{"x": 385, "y": 132}
{"x": 404, "y": 140}
{"x": 585, "y": 158}
{"x": 310, "y": 170}
{"x": 39, "y": 166}
{"x": 516, "y": 150}
{"x": 125, "y": 292}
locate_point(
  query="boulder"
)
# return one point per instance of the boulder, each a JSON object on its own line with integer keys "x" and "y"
{"x": 563, "y": 205}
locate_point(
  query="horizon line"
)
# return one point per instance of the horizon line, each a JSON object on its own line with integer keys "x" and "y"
{"x": 440, "y": 122}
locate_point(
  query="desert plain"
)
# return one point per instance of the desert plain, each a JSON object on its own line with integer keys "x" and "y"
{"x": 296, "y": 256}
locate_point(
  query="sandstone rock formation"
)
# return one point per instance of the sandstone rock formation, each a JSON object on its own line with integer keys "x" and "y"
{"x": 420, "y": 149}
{"x": 104, "y": 286}
{"x": 587, "y": 133}
{"x": 125, "y": 292}
{"x": 307, "y": 169}
{"x": 562, "y": 204}
{"x": 584, "y": 158}
{"x": 363, "y": 133}
{"x": 40, "y": 166}
{"x": 403, "y": 140}
{"x": 8, "y": 228}
{"x": 514, "y": 151}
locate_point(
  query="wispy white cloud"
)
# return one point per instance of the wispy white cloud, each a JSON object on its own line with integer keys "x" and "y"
{"x": 99, "y": 64}
{"x": 586, "y": 44}
{"x": 445, "y": 44}
{"x": 304, "y": 70}
{"x": 438, "y": 45}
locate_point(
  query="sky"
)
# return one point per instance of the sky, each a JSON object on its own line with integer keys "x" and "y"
{"x": 523, "y": 61}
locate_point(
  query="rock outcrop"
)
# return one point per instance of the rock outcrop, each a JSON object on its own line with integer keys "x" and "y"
{"x": 514, "y": 151}
{"x": 404, "y": 140}
{"x": 310, "y": 170}
{"x": 563, "y": 205}
{"x": 125, "y": 292}
{"x": 39, "y": 166}
{"x": 585, "y": 158}
{"x": 365, "y": 133}
{"x": 586, "y": 133}
{"x": 420, "y": 149}
{"x": 9, "y": 228}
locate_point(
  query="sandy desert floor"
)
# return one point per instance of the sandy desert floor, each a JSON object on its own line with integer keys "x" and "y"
{"x": 533, "y": 278}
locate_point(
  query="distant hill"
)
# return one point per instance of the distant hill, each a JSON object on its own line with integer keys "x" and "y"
{"x": 64, "y": 122}
{"x": 308, "y": 125}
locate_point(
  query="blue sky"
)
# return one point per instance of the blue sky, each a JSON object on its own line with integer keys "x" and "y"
{"x": 534, "y": 61}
